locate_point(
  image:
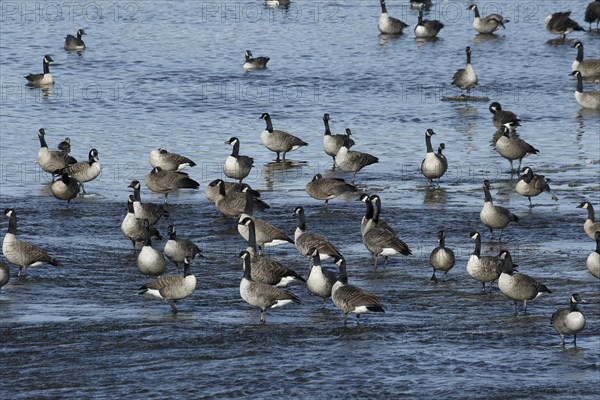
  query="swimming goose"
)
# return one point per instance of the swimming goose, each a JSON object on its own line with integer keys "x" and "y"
{"x": 510, "y": 146}
{"x": 168, "y": 161}
{"x": 279, "y": 141}
{"x": 589, "y": 68}
{"x": 588, "y": 99}
{"x": 352, "y": 299}
{"x": 332, "y": 143}
{"x": 132, "y": 227}
{"x": 254, "y": 63}
{"x": 592, "y": 13}
{"x": 212, "y": 190}
{"x": 569, "y": 321}
{"x": 165, "y": 182}
{"x": 441, "y": 258}
{"x": 420, "y": 4}
{"x": 433, "y": 166}
{"x": 517, "y": 287}
{"x": 593, "y": 260}
{"x": 389, "y": 25}
{"x": 503, "y": 118}
{"x": 50, "y": 161}
{"x": 65, "y": 188}
{"x": 75, "y": 43}
{"x": 320, "y": 280}
{"x": 172, "y": 288}
{"x": 65, "y": 145}
{"x": 306, "y": 240}
{"x": 4, "y": 274}
{"x": 19, "y": 252}
{"x": 265, "y": 269}
{"x": 236, "y": 166}
{"x": 465, "y": 78}
{"x": 427, "y": 28}
{"x": 484, "y": 269}
{"x": 376, "y": 218}
{"x": 232, "y": 204}
{"x": 84, "y": 171}
{"x": 353, "y": 161}
{"x": 42, "y": 79}
{"x": 590, "y": 226}
{"x": 320, "y": 188}
{"x": 531, "y": 185}
{"x": 178, "y": 249}
{"x": 260, "y": 294}
{"x": 494, "y": 217}
{"x": 559, "y": 23}
{"x": 149, "y": 260}
{"x": 150, "y": 211}
{"x": 487, "y": 24}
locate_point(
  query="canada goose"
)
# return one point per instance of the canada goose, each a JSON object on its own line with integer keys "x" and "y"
{"x": 168, "y": 161}
{"x": 172, "y": 288}
{"x": 441, "y": 148}
{"x": 4, "y": 274}
{"x": 65, "y": 145}
{"x": 178, "y": 249}
{"x": 441, "y": 258}
{"x": 531, "y": 185}
{"x": 65, "y": 188}
{"x": 420, "y": 4}
{"x": 320, "y": 188}
{"x": 465, "y": 78}
{"x": 592, "y": 13}
{"x": 494, "y": 217}
{"x": 484, "y": 269}
{"x": 165, "y": 182}
{"x": 132, "y": 227}
{"x": 75, "y": 43}
{"x": 232, "y": 204}
{"x": 212, "y": 190}
{"x": 589, "y": 68}
{"x": 50, "y": 161}
{"x": 503, "y": 118}
{"x": 588, "y": 99}
{"x": 150, "y": 211}
{"x": 559, "y": 23}
{"x": 306, "y": 240}
{"x": 352, "y": 299}
{"x": 487, "y": 24}
{"x": 279, "y": 141}
{"x": 19, "y": 252}
{"x": 510, "y": 146}
{"x": 569, "y": 321}
{"x": 353, "y": 161}
{"x": 376, "y": 218}
{"x": 389, "y": 25}
{"x": 593, "y": 260}
{"x": 265, "y": 269}
{"x": 427, "y": 28}
{"x": 590, "y": 226}
{"x": 332, "y": 143}
{"x": 260, "y": 294}
{"x": 149, "y": 260}
{"x": 42, "y": 79}
{"x": 84, "y": 171}
{"x": 517, "y": 287}
{"x": 320, "y": 280}
{"x": 236, "y": 166}
{"x": 266, "y": 235}
{"x": 254, "y": 62}
{"x": 277, "y": 3}
{"x": 433, "y": 166}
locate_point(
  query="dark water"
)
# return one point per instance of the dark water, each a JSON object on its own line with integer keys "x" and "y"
{"x": 169, "y": 75}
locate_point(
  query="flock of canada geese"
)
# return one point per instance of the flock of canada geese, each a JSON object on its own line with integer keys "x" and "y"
{"x": 264, "y": 277}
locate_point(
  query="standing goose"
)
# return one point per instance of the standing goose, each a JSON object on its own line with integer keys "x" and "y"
{"x": 352, "y": 299}
{"x": 172, "y": 288}
{"x": 589, "y": 68}
{"x": 4, "y": 274}
{"x": 487, "y": 24}
{"x": 75, "y": 43}
{"x": 233, "y": 203}
{"x": 588, "y": 99}
{"x": 441, "y": 258}
{"x": 332, "y": 143}
{"x": 320, "y": 188}
{"x": 165, "y": 182}
{"x": 494, "y": 217}
{"x": 150, "y": 261}
{"x": 265, "y": 269}
{"x": 65, "y": 145}
{"x": 44, "y": 78}
{"x": 427, "y": 29}
{"x": 212, "y": 191}
{"x": 353, "y": 161}
{"x": 592, "y": 13}
{"x": 132, "y": 227}
{"x": 168, "y": 161}
{"x": 503, "y": 118}
{"x": 389, "y": 25}
{"x": 236, "y": 166}
{"x": 465, "y": 78}
{"x": 559, "y": 23}
{"x": 65, "y": 188}
{"x": 517, "y": 287}
{"x": 150, "y": 211}
{"x": 590, "y": 226}
{"x": 278, "y": 141}
{"x": 531, "y": 185}
{"x": 433, "y": 165}
{"x": 484, "y": 269}
{"x": 19, "y": 252}
{"x": 510, "y": 146}
{"x": 178, "y": 249}
{"x": 254, "y": 62}
{"x": 569, "y": 321}
{"x": 593, "y": 260}
{"x": 307, "y": 240}
{"x": 84, "y": 171}
{"x": 260, "y": 294}
{"x": 320, "y": 280}
{"x": 50, "y": 161}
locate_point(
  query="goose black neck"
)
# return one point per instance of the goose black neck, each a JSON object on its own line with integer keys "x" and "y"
{"x": 327, "y": 131}
{"x": 236, "y": 149}
{"x": 573, "y": 306}
{"x": 591, "y": 214}
{"x": 301, "y": 221}
{"x": 369, "y": 212}
{"x": 46, "y": 67}
{"x": 383, "y": 7}
{"x": 269, "y": 124}
{"x": 428, "y": 143}
{"x": 186, "y": 269}
{"x": 442, "y": 241}
{"x": 91, "y": 159}
{"x": 476, "y": 11}
{"x": 136, "y": 194}
{"x": 247, "y": 266}
{"x": 376, "y": 211}
{"x": 12, "y": 223}
{"x": 420, "y": 21}
{"x": 221, "y": 187}
{"x": 316, "y": 260}
{"x": 249, "y": 207}
{"x": 579, "y": 54}
{"x": 477, "y": 251}
{"x": 598, "y": 246}
{"x": 579, "y": 83}
{"x": 42, "y": 141}
{"x": 468, "y": 57}
{"x": 252, "y": 236}
{"x": 147, "y": 238}
{"x": 173, "y": 235}
{"x": 486, "y": 194}
{"x": 343, "y": 277}
{"x": 130, "y": 207}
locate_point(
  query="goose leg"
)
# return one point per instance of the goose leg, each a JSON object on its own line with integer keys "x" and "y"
{"x": 345, "y": 318}
{"x": 263, "y": 316}
{"x": 434, "y": 279}
{"x": 515, "y": 312}
{"x": 357, "y": 319}
{"x": 173, "y": 307}
{"x": 375, "y": 263}
{"x": 525, "y": 307}
{"x": 562, "y": 341}
{"x": 530, "y": 204}
{"x": 333, "y": 168}
{"x": 385, "y": 258}
{"x": 284, "y": 156}
{"x": 574, "y": 341}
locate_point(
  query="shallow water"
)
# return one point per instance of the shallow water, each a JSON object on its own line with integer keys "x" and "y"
{"x": 169, "y": 75}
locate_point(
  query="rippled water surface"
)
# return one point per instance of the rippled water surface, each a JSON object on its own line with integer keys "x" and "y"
{"x": 168, "y": 74}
